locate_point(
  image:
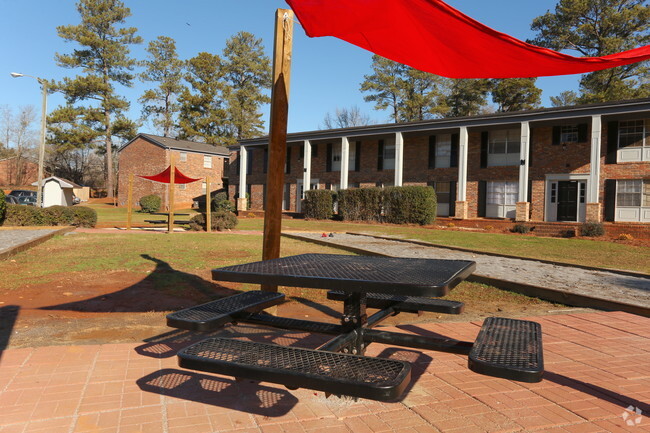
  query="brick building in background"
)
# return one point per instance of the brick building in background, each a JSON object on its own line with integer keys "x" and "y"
{"x": 569, "y": 164}
{"x": 147, "y": 155}
{"x": 17, "y": 171}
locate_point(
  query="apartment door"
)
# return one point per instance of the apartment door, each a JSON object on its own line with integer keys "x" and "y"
{"x": 567, "y": 200}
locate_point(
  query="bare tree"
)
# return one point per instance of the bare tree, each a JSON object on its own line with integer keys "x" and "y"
{"x": 19, "y": 139}
{"x": 345, "y": 118}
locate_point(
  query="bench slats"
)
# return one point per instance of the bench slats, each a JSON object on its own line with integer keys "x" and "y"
{"x": 508, "y": 348}
{"x": 212, "y": 315}
{"x": 336, "y": 373}
{"x": 411, "y": 304}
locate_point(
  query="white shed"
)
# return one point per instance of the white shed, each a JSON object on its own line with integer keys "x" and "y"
{"x": 57, "y": 191}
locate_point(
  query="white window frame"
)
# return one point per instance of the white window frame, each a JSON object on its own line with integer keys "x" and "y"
{"x": 634, "y": 153}
{"x": 182, "y": 186}
{"x": 569, "y": 134}
{"x": 183, "y": 157}
{"x": 389, "y": 156}
{"x": 204, "y": 187}
{"x": 337, "y": 154}
{"x": 633, "y": 212}
{"x": 510, "y": 140}
{"x": 207, "y": 161}
{"x": 442, "y": 206}
{"x": 501, "y": 199}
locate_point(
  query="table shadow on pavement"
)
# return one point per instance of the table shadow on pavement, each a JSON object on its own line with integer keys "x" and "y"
{"x": 244, "y": 396}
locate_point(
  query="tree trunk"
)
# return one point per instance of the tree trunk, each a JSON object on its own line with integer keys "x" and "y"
{"x": 109, "y": 155}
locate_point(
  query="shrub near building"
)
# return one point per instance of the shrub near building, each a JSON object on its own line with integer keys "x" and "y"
{"x": 409, "y": 205}
{"x": 78, "y": 216}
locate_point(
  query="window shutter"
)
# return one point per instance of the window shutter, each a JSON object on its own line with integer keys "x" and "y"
{"x": 530, "y": 193}
{"x": 287, "y": 168}
{"x": 314, "y": 150}
{"x": 329, "y": 157}
{"x": 582, "y": 132}
{"x": 380, "y": 155}
{"x": 455, "y": 143}
{"x": 432, "y": 152}
{"x": 482, "y": 197}
{"x": 557, "y": 135}
{"x": 302, "y": 151}
{"x": 357, "y": 156}
{"x": 610, "y": 199}
{"x": 249, "y": 161}
{"x": 266, "y": 160}
{"x": 484, "y": 149}
{"x": 612, "y": 142}
{"x": 452, "y": 198}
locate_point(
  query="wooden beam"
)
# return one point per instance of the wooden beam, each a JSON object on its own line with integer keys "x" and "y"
{"x": 278, "y": 135}
{"x": 129, "y": 203}
{"x": 208, "y": 206}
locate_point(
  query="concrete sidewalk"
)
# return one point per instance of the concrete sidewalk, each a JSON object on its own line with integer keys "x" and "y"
{"x": 596, "y": 368}
{"x": 616, "y": 287}
{"x": 16, "y": 239}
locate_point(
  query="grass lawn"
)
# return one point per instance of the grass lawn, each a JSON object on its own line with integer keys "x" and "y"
{"x": 580, "y": 251}
{"x": 109, "y": 215}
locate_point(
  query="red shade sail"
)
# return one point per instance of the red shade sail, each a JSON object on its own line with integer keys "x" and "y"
{"x": 431, "y": 36}
{"x": 164, "y": 177}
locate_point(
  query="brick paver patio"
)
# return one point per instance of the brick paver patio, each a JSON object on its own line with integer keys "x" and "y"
{"x": 597, "y": 365}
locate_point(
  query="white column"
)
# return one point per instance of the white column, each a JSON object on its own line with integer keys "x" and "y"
{"x": 345, "y": 162}
{"x": 399, "y": 158}
{"x": 306, "y": 175}
{"x": 594, "y": 170}
{"x": 523, "y": 168}
{"x": 243, "y": 163}
{"x": 463, "y": 144}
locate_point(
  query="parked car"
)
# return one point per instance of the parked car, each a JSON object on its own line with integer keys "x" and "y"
{"x": 11, "y": 199}
{"x": 75, "y": 199}
{"x": 27, "y": 200}
{"x": 23, "y": 193}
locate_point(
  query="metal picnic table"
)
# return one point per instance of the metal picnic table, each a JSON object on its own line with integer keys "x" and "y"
{"x": 166, "y": 220}
{"x": 506, "y": 348}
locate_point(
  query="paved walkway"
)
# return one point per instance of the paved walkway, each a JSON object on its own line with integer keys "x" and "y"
{"x": 600, "y": 284}
{"x": 15, "y": 238}
{"x": 596, "y": 367}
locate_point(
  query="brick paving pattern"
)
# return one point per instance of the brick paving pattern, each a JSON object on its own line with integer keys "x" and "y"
{"x": 597, "y": 365}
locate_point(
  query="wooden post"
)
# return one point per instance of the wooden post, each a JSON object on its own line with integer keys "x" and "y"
{"x": 129, "y": 203}
{"x": 172, "y": 184}
{"x": 278, "y": 135}
{"x": 208, "y": 206}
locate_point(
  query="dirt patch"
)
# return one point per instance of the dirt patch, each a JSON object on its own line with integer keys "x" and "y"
{"x": 120, "y": 306}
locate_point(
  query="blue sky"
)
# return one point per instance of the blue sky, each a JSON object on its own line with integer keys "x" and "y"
{"x": 326, "y": 72}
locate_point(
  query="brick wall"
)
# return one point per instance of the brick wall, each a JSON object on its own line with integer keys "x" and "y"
{"x": 144, "y": 158}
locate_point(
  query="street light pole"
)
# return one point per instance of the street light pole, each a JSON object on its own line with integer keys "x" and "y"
{"x": 41, "y": 149}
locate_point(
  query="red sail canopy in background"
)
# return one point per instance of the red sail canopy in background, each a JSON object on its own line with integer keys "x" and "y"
{"x": 431, "y": 36}
{"x": 164, "y": 176}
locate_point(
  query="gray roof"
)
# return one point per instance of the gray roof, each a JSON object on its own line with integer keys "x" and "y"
{"x": 65, "y": 183}
{"x": 182, "y": 145}
{"x": 612, "y": 108}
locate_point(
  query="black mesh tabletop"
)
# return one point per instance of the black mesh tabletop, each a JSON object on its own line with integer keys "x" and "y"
{"x": 404, "y": 276}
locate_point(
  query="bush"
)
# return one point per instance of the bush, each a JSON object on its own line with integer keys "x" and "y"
{"x": 3, "y": 206}
{"x": 20, "y": 215}
{"x": 222, "y": 205}
{"x": 150, "y": 203}
{"x": 360, "y": 204}
{"x": 319, "y": 204}
{"x": 521, "y": 228}
{"x": 84, "y": 217}
{"x": 58, "y": 216}
{"x": 592, "y": 229}
{"x": 221, "y": 220}
{"x": 409, "y": 205}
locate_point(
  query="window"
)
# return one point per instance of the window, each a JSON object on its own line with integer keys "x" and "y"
{"x": 503, "y": 147}
{"x": 336, "y": 157}
{"x": 553, "y": 192}
{"x": 183, "y": 157}
{"x": 443, "y": 192}
{"x": 443, "y": 151}
{"x": 181, "y": 186}
{"x": 389, "y": 157}
{"x": 207, "y": 161}
{"x": 632, "y": 133}
{"x": 501, "y": 199}
{"x": 204, "y": 187}
{"x": 569, "y": 134}
{"x": 628, "y": 193}
{"x": 337, "y": 154}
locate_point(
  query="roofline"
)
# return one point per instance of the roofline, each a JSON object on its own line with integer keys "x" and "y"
{"x": 151, "y": 140}
{"x": 485, "y": 120}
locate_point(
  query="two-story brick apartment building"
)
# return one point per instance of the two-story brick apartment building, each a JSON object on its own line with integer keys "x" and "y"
{"x": 148, "y": 154}
{"x": 580, "y": 163}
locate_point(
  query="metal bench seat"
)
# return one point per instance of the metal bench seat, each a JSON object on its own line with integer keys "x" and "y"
{"x": 335, "y": 373}
{"x": 508, "y": 348}
{"x": 212, "y": 315}
{"x": 156, "y": 221}
{"x": 410, "y": 304}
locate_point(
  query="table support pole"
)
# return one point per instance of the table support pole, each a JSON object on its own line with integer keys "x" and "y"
{"x": 417, "y": 341}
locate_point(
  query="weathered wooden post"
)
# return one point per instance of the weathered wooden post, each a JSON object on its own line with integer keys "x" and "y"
{"x": 129, "y": 203}
{"x": 278, "y": 136}
{"x": 172, "y": 180}
{"x": 208, "y": 206}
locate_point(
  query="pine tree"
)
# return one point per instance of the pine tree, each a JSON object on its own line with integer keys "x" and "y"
{"x": 564, "y": 99}
{"x": 94, "y": 111}
{"x": 467, "y": 97}
{"x": 384, "y": 84}
{"x": 248, "y": 74}
{"x": 515, "y": 94}
{"x": 203, "y": 114}
{"x": 164, "y": 68}
{"x": 598, "y": 28}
